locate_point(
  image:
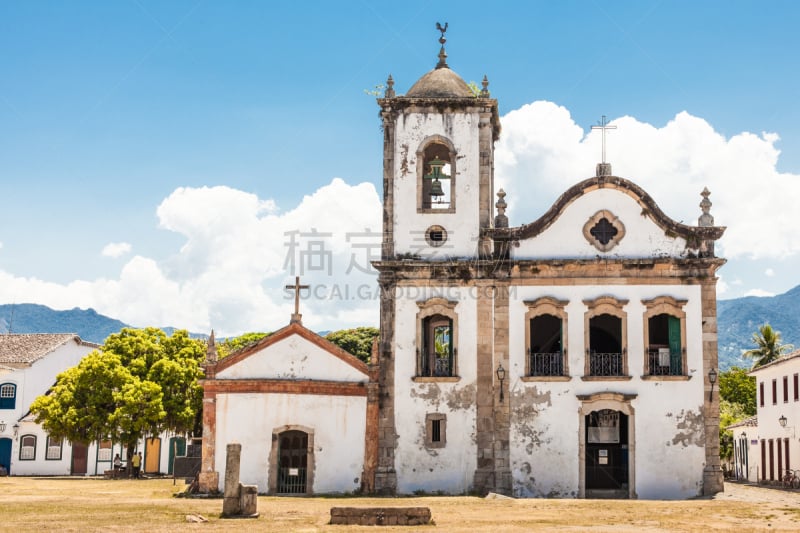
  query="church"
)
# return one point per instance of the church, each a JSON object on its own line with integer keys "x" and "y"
{"x": 574, "y": 356}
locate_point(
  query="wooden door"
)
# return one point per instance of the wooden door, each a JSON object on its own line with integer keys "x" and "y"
{"x": 152, "y": 455}
{"x": 5, "y": 454}
{"x": 177, "y": 446}
{"x": 80, "y": 458}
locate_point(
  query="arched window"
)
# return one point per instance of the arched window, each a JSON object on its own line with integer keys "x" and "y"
{"x": 436, "y": 176}
{"x": 437, "y": 337}
{"x": 664, "y": 337}
{"x": 27, "y": 448}
{"x": 546, "y": 324}
{"x": 8, "y": 396}
{"x": 606, "y": 338}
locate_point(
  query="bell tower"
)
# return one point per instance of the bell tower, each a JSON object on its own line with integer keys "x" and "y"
{"x": 438, "y": 166}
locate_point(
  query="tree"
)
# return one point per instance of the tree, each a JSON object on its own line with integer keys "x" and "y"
{"x": 736, "y": 387}
{"x": 233, "y": 344}
{"x": 729, "y": 413}
{"x": 357, "y": 341}
{"x": 768, "y": 346}
{"x": 140, "y": 383}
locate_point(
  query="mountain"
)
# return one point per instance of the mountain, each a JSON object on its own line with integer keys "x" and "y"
{"x": 739, "y": 318}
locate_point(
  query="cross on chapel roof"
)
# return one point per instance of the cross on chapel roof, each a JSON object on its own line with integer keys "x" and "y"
{"x": 296, "y": 316}
{"x": 603, "y": 168}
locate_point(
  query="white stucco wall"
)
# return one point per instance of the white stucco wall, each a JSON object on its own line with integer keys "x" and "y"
{"x": 452, "y": 468}
{"x": 463, "y": 225}
{"x": 292, "y": 358}
{"x": 565, "y": 239}
{"x": 338, "y": 424}
{"x": 545, "y": 416}
{"x": 769, "y": 427}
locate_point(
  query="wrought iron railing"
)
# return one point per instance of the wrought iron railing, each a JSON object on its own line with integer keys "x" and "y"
{"x": 661, "y": 364}
{"x": 605, "y": 364}
{"x": 546, "y": 364}
{"x": 291, "y": 481}
{"x": 442, "y": 366}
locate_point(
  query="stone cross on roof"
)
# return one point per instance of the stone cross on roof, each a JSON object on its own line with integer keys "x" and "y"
{"x": 296, "y": 316}
{"x": 603, "y": 169}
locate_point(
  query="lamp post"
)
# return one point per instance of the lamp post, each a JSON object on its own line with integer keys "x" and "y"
{"x": 15, "y": 427}
{"x": 2, "y": 426}
{"x": 501, "y": 376}
{"x": 782, "y": 421}
{"x": 712, "y": 378}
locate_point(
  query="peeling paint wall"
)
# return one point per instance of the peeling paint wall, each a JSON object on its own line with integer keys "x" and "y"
{"x": 564, "y": 238}
{"x": 449, "y": 469}
{"x": 463, "y": 225}
{"x": 669, "y": 434}
{"x": 338, "y": 423}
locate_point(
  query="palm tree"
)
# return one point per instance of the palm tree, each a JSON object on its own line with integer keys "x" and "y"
{"x": 768, "y": 346}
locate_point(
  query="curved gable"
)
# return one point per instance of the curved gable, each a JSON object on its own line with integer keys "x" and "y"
{"x": 607, "y": 216}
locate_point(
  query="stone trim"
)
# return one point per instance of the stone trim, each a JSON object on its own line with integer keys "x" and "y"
{"x": 615, "y": 223}
{"x": 607, "y": 400}
{"x": 442, "y": 419}
{"x": 665, "y": 378}
{"x": 209, "y": 477}
{"x": 607, "y": 378}
{"x": 436, "y": 379}
{"x": 534, "y": 379}
{"x": 712, "y": 473}
{"x": 428, "y": 308}
{"x": 606, "y": 305}
{"x": 274, "y": 458}
{"x": 547, "y": 305}
{"x": 420, "y": 164}
{"x": 669, "y": 306}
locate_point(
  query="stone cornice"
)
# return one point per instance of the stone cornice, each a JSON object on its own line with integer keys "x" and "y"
{"x": 402, "y": 104}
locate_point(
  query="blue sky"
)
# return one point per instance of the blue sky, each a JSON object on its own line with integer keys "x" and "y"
{"x": 115, "y": 115}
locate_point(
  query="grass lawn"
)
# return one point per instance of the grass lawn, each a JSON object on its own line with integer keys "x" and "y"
{"x": 87, "y": 504}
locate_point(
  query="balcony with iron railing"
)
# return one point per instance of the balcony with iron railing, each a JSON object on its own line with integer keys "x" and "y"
{"x": 606, "y": 364}
{"x": 664, "y": 363}
{"x": 545, "y": 364}
{"x": 437, "y": 367}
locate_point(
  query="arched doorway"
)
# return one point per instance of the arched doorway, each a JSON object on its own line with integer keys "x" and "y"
{"x": 291, "y": 460}
{"x": 607, "y": 446}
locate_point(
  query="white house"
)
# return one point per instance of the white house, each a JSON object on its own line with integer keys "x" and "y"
{"x": 297, "y": 404}
{"x": 29, "y": 364}
{"x": 768, "y": 444}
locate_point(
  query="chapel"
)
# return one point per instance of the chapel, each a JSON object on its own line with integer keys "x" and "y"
{"x": 573, "y": 356}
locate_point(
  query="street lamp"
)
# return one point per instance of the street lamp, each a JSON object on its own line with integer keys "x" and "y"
{"x": 15, "y": 427}
{"x": 501, "y": 375}
{"x": 712, "y": 378}
{"x": 782, "y": 421}
{"x": 2, "y": 426}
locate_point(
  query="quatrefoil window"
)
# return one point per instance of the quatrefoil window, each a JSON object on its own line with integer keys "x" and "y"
{"x": 604, "y": 230}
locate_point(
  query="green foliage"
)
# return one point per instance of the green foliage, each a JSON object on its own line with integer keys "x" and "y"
{"x": 768, "y": 346}
{"x": 356, "y": 341}
{"x": 377, "y": 91}
{"x": 736, "y": 387}
{"x": 233, "y": 344}
{"x": 473, "y": 87}
{"x": 729, "y": 413}
{"x": 141, "y": 383}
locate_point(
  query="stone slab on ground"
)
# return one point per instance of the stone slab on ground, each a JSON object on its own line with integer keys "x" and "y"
{"x": 380, "y": 516}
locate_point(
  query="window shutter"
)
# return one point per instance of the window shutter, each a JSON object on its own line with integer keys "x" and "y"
{"x": 674, "y": 333}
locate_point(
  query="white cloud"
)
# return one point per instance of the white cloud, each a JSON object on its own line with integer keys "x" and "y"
{"x": 230, "y": 272}
{"x": 758, "y": 292}
{"x": 769, "y": 273}
{"x": 542, "y": 152}
{"x": 239, "y": 250}
{"x": 116, "y": 249}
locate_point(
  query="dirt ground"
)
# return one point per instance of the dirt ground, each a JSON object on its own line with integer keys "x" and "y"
{"x": 84, "y": 504}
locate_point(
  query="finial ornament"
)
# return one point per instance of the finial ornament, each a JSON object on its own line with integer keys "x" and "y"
{"x": 603, "y": 168}
{"x": 501, "y": 220}
{"x": 485, "y": 88}
{"x": 389, "y": 92}
{"x": 706, "y": 219}
{"x": 211, "y": 350}
{"x": 442, "y": 54}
